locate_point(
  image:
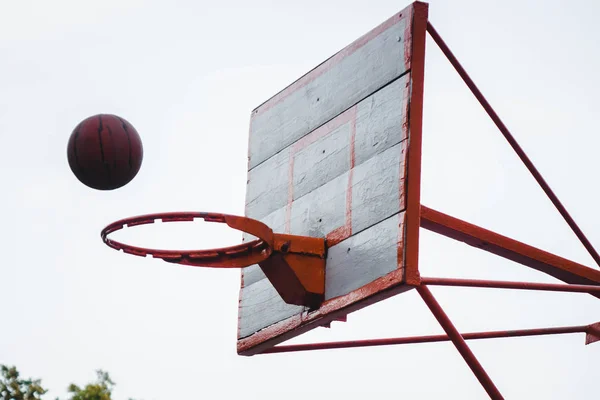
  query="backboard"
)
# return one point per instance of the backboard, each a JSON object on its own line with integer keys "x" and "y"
{"x": 337, "y": 155}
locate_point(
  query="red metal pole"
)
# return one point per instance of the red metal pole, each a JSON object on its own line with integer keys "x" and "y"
{"x": 425, "y": 339}
{"x": 552, "y": 287}
{"x": 459, "y": 342}
{"x": 413, "y": 165}
{"x": 513, "y": 143}
{"x": 560, "y": 268}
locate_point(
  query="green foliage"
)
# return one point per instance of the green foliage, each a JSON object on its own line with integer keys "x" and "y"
{"x": 99, "y": 390}
{"x": 13, "y": 388}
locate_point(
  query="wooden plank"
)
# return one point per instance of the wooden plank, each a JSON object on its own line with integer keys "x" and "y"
{"x": 373, "y": 126}
{"x": 378, "y": 187}
{"x": 276, "y": 221}
{"x": 323, "y": 160}
{"x": 328, "y": 156}
{"x": 252, "y": 274}
{"x": 339, "y": 307}
{"x": 261, "y": 306}
{"x": 382, "y": 120}
{"x": 322, "y": 210}
{"x": 267, "y": 187}
{"x": 363, "y": 258}
{"x": 373, "y": 255}
{"x": 356, "y": 72}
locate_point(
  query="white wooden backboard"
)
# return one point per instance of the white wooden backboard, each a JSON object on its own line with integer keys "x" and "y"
{"x": 328, "y": 157}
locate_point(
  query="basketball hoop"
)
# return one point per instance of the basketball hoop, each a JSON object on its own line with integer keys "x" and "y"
{"x": 295, "y": 265}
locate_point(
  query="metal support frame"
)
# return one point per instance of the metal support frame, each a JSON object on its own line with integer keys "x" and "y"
{"x": 513, "y": 142}
{"x": 549, "y": 287}
{"x": 459, "y": 342}
{"x": 592, "y": 331}
{"x": 578, "y": 278}
{"x": 560, "y": 268}
{"x": 587, "y": 329}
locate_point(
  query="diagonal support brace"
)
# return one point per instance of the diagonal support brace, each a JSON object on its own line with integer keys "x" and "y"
{"x": 513, "y": 142}
{"x": 460, "y": 343}
{"x": 473, "y": 235}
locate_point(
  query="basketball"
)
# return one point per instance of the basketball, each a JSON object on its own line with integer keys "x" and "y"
{"x": 105, "y": 152}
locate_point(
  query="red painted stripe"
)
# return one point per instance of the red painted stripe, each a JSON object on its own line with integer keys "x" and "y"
{"x": 338, "y": 235}
{"x": 348, "y": 116}
{"x": 408, "y": 42}
{"x": 402, "y": 174}
{"x": 351, "y": 173}
{"x": 325, "y": 129}
{"x": 344, "y": 232}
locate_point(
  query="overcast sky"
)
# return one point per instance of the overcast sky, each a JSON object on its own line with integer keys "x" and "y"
{"x": 187, "y": 74}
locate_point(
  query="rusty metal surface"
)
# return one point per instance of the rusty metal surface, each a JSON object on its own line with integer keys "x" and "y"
{"x": 421, "y": 12}
{"x": 513, "y": 143}
{"x": 295, "y": 265}
{"x": 580, "y": 278}
{"x": 592, "y": 333}
{"x": 431, "y": 339}
{"x": 460, "y": 343}
{"x": 549, "y": 287}
{"x": 473, "y": 235}
{"x": 331, "y": 310}
{"x": 227, "y": 257}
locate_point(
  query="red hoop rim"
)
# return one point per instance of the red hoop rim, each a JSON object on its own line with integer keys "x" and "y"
{"x": 237, "y": 256}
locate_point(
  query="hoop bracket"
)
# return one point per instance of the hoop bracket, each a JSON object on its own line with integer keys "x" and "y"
{"x": 295, "y": 265}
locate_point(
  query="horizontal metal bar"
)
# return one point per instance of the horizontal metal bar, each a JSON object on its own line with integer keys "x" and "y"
{"x": 460, "y": 343}
{"x": 425, "y": 339}
{"x": 540, "y": 260}
{"x": 551, "y": 287}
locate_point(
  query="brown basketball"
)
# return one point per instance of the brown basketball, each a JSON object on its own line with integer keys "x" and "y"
{"x": 105, "y": 152}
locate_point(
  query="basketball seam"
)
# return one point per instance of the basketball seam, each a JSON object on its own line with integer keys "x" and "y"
{"x": 113, "y": 145}
{"x": 128, "y": 141}
{"x": 106, "y": 166}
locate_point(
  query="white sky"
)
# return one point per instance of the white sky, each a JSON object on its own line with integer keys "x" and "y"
{"x": 186, "y": 74}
